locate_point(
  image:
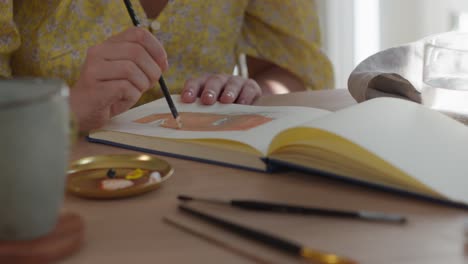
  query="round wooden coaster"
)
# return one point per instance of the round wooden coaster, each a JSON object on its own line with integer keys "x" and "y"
{"x": 62, "y": 242}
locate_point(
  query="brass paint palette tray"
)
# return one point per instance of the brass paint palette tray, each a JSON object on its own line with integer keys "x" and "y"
{"x": 117, "y": 176}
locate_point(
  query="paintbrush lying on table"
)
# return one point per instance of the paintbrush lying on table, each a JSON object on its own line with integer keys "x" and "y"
{"x": 301, "y": 210}
{"x": 270, "y": 240}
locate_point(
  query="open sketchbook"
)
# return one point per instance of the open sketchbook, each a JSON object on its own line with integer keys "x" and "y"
{"x": 385, "y": 142}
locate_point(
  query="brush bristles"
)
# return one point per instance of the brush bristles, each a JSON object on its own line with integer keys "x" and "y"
{"x": 179, "y": 122}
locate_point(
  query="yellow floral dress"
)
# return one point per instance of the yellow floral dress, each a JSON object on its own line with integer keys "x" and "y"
{"x": 49, "y": 38}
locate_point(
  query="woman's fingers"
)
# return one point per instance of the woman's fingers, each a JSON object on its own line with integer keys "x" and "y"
{"x": 115, "y": 51}
{"x": 224, "y": 88}
{"x": 125, "y": 95}
{"x": 193, "y": 88}
{"x": 94, "y": 107}
{"x": 212, "y": 88}
{"x": 123, "y": 70}
{"x": 249, "y": 93}
{"x": 144, "y": 38}
{"x": 231, "y": 90}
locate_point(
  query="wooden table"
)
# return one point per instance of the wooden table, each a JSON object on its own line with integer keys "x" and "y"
{"x": 132, "y": 230}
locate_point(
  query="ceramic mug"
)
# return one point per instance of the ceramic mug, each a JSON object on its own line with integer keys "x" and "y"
{"x": 34, "y": 146}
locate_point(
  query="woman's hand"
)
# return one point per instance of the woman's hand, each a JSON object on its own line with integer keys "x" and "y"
{"x": 114, "y": 76}
{"x": 224, "y": 88}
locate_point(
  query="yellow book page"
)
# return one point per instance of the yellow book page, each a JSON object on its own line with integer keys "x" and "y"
{"x": 409, "y": 140}
{"x": 225, "y": 144}
{"x": 328, "y": 152}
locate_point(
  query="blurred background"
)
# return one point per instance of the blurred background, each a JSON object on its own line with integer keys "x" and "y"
{"x": 355, "y": 29}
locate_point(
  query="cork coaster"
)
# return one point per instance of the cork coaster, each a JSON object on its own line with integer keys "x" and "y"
{"x": 62, "y": 242}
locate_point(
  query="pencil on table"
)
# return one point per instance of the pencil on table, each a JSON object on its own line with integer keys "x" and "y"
{"x": 215, "y": 241}
{"x": 162, "y": 83}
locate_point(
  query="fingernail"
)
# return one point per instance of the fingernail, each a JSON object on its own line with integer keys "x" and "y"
{"x": 229, "y": 95}
{"x": 188, "y": 93}
{"x": 209, "y": 97}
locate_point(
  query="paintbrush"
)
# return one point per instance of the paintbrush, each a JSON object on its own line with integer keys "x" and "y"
{"x": 162, "y": 83}
{"x": 301, "y": 210}
{"x": 270, "y": 240}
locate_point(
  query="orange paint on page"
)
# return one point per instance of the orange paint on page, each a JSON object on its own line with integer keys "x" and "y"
{"x": 208, "y": 121}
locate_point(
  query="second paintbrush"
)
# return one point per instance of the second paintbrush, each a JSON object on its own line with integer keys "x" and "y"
{"x": 301, "y": 210}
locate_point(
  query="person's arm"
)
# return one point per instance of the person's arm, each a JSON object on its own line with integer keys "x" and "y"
{"x": 281, "y": 40}
{"x": 272, "y": 78}
{"x": 282, "y": 43}
{"x": 265, "y": 78}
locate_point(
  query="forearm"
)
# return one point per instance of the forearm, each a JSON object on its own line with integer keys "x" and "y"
{"x": 276, "y": 80}
{"x": 272, "y": 78}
